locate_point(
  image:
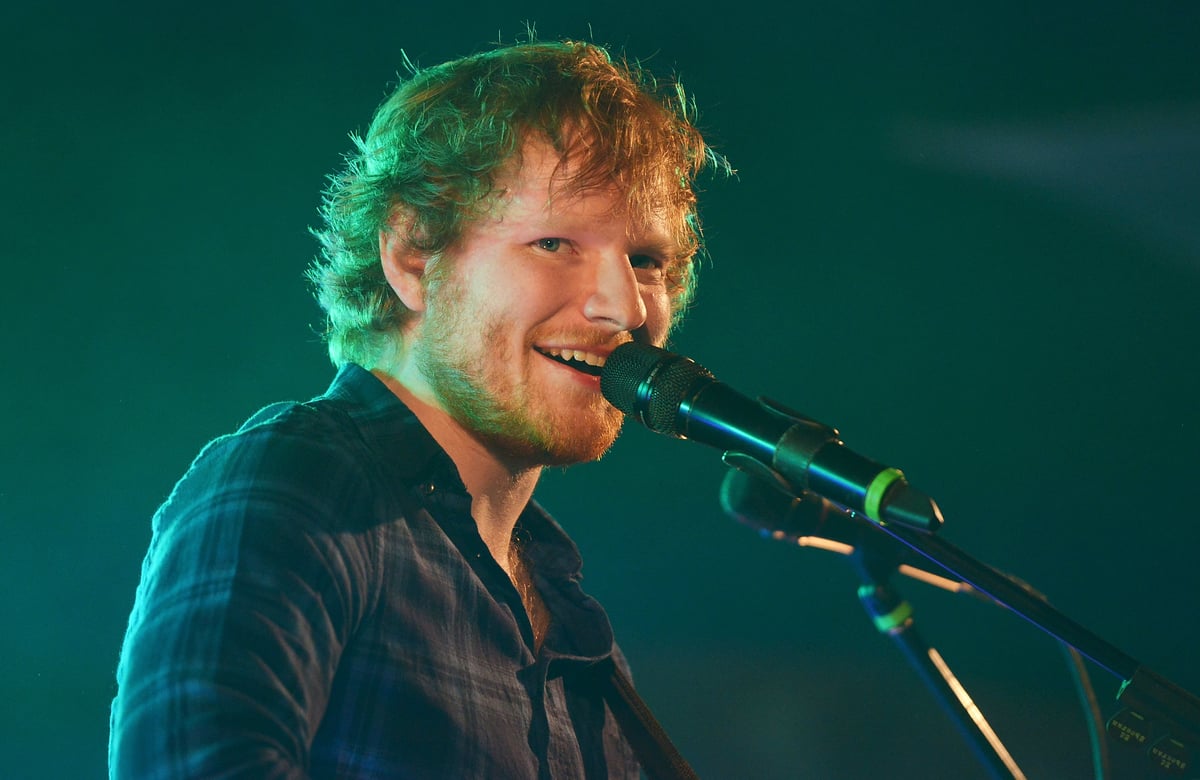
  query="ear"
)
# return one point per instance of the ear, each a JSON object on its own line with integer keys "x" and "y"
{"x": 403, "y": 268}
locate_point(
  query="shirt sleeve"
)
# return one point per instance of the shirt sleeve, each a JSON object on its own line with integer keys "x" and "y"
{"x": 249, "y": 591}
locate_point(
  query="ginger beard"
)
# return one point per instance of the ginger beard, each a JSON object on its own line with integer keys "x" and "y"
{"x": 510, "y": 402}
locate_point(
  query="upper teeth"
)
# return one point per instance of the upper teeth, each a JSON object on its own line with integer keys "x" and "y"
{"x": 591, "y": 358}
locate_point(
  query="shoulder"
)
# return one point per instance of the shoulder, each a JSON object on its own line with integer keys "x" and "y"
{"x": 303, "y": 465}
{"x": 302, "y": 447}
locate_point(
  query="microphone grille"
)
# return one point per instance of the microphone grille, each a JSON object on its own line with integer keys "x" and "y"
{"x": 650, "y": 383}
{"x": 625, "y": 370}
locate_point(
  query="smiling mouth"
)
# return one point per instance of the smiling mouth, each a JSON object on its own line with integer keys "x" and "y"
{"x": 584, "y": 362}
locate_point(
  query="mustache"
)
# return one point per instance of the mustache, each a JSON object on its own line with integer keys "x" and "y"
{"x": 588, "y": 339}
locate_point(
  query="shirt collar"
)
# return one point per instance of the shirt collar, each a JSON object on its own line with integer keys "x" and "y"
{"x": 390, "y": 428}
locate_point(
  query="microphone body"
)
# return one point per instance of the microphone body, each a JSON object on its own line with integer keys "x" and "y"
{"x": 767, "y": 508}
{"x": 672, "y": 394}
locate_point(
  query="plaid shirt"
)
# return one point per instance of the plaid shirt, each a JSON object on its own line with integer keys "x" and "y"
{"x": 317, "y": 602}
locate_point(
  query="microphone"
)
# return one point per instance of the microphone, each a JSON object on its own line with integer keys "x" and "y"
{"x": 673, "y": 395}
{"x": 813, "y": 521}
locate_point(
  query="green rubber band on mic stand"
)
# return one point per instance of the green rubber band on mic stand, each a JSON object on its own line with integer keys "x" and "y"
{"x": 892, "y": 621}
{"x": 876, "y": 490}
{"x": 895, "y": 620}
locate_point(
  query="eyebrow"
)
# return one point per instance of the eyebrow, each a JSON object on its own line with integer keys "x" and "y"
{"x": 659, "y": 247}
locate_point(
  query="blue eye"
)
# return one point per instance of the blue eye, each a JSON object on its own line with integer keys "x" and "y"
{"x": 549, "y": 244}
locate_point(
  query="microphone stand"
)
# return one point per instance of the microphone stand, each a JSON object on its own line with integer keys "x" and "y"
{"x": 892, "y": 615}
{"x": 1158, "y": 716}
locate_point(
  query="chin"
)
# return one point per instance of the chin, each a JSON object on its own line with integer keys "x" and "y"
{"x": 566, "y": 446}
{"x": 583, "y": 453}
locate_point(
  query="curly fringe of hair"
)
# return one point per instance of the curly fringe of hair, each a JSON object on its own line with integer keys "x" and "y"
{"x": 437, "y": 146}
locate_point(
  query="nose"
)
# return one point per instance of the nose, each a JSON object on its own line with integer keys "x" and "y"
{"x": 615, "y": 298}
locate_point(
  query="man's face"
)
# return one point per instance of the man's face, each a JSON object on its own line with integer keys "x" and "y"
{"x": 537, "y": 293}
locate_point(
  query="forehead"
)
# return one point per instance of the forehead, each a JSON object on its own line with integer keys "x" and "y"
{"x": 539, "y": 186}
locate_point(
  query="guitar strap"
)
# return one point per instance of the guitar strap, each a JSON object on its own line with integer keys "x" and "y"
{"x": 658, "y": 756}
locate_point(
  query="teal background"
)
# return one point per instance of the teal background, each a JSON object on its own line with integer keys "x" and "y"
{"x": 965, "y": 234}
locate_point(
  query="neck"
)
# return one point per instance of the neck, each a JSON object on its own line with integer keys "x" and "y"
{"x": 499, "y": 490}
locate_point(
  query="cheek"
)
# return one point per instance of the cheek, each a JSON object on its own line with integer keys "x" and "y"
{"x": 658, "y": 315}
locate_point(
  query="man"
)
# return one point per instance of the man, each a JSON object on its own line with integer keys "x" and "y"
{"x": 362, "y": 585}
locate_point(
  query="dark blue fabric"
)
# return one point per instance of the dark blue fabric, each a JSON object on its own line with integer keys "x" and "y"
{"x": 317, "y": 602}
